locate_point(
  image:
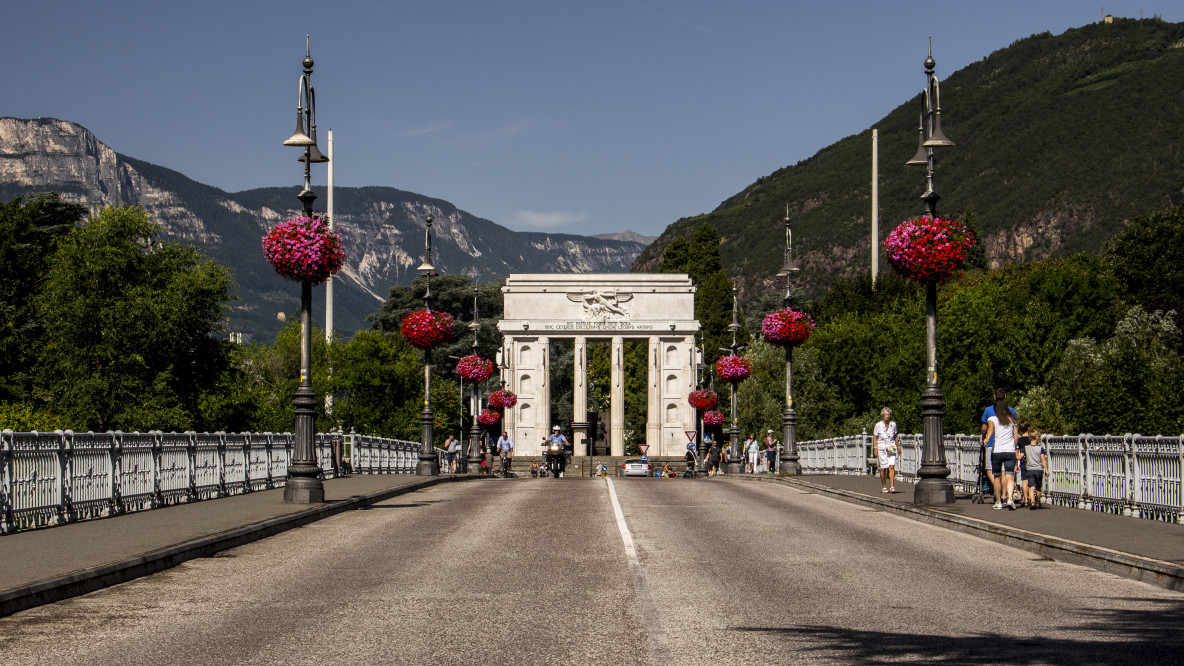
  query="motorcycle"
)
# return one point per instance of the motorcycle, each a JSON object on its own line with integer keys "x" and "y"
{"x": 555, "y": 459}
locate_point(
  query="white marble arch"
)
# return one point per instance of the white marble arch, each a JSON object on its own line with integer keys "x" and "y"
{"x": 603, "y": 307}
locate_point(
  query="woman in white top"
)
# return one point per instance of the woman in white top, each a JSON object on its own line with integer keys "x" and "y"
{"x": 886, "y": 441}
{"x": 1001, "y": 426}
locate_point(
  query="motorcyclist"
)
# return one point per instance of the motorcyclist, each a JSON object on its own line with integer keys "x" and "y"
{"x": 557, "y": 438}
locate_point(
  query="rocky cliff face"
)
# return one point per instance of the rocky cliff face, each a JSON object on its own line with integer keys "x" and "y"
{"x": 382, "y": 228}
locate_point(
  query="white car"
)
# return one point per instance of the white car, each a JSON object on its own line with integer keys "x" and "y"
{"x": 636, "y": 467}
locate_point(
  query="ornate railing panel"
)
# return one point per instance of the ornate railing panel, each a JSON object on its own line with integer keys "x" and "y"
{"x": 57, "y": 477}
{"x": 1132, "y": 475}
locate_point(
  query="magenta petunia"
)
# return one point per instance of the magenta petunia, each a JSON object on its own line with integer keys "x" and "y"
{"x": 714, "y": 418}
{"x": 474, "y": 368}
{"x": 502, "y": 399}
{"x": 787, "y": 327}
{"x": 929, "y": 249}
{"x": 702, "y": 399}
{"x": 733, "y": 368}
{"x": 427, "y": 328}
{"x": 303, "y": 248}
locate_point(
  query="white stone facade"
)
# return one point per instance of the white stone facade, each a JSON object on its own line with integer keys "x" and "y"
{"x": 605, "y": 307}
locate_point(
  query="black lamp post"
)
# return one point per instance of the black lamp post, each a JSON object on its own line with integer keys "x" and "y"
{"x": 789, "y": 418}
{"x": 474, "y": 457}
{"x": 702, "y": 383}
{"x": 428, "y": 464}
{"x": 304, "y": 484}
{"x": 934, "y": 486}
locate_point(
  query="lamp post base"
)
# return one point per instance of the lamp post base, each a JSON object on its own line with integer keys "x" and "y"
{"x": 304, "y": 490}
{"x": 933, "y": 491}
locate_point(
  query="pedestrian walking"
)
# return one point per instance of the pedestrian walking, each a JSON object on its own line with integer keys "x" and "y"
{"x": 886, "y": 439}
{"x": 1001, "y": 426}
{"x": 988, "y": 448}
{"x": 771, "y": 451}
{"x": 452, "y": 447}
{"x": 714, "y": 457}
{"x": 1036, "y": 465}
{"x": 752, "y": 452}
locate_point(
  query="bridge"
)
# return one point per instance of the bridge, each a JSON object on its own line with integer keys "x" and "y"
{"x": 741, "y": 569}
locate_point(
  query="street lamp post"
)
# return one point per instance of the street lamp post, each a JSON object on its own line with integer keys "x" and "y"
{"x": 474, "y": 457}
{"x": 428, "y": 464}
{"x": 736, "y": 460}
{"x": 700, "y": 445}
{"x": 789, "y": 419}
{"x": 304, "y": 484}
{"x": 934, "y": 486}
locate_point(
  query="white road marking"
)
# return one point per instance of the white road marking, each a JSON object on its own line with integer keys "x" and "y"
{"x": 659, "y": 650}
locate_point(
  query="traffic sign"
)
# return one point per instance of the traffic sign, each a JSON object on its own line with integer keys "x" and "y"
{"x": 690, "y": 436}
{"x": 645, "y": 448}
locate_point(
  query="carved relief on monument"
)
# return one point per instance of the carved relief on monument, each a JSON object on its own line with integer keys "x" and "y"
{"x": 602, "y": 305}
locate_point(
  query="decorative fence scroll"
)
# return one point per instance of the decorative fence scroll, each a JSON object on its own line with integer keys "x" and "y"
{"x": 1130, "y": 475}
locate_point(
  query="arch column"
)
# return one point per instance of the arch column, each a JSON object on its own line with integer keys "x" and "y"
{"x": 617, "y": 398}
{"x": 653, "y": 421}
{"x": 579, "y": 394}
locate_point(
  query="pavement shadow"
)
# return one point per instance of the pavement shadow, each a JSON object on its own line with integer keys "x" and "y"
{"x": 403, "y": 505}
{"x": 1110, "y": 636}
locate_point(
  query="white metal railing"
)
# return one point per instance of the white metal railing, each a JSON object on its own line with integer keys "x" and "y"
{"x": 1131, "y": 475}
{"x": 51, "y": 478}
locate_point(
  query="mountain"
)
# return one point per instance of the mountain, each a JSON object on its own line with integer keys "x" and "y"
{"x": 382, "y": 227}
{"x": 1060, "y": 139}
{"x": 628, "y": 236}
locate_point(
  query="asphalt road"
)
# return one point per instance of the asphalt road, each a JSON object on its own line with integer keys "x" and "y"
{"x": 540, "y": 571}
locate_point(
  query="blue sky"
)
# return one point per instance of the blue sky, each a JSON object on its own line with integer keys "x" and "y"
{"x": 579, "y": 117}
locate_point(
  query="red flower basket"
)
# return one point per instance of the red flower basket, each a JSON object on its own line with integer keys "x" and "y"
{"x": 929, "y": 250}
{"x": 427, "y": 328}
{"x": 303, "y": 248}
{"x": 787, "y": 327}
{"x": 702, "y": 399}
{"x": 474, "y": 368}
{"x": 733, "y": 368}
{"x": 502, "y": 399}
{"x": 714, "y": 418}
{"x": 489, "y": 417}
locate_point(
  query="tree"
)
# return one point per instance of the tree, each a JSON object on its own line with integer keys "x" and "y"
{"x": 29, "y": 232}
{"x": 131, "y": 345}
{"x": 699, "y": 258}
{"x": 1147, "y": 259}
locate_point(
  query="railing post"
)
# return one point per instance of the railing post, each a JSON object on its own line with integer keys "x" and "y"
{"x": 65, "y": 476}
{"x": 1087, "y": 475}
{"x": 1180, "y": 480}
{"x": 116, "y": 451}
{"x": 191, "y": 463}
{"x": 157, "y": 445}
{"x": 7, "y": 517}
{"x": 1133, "y": 477}
{"x": 223, "y": 491}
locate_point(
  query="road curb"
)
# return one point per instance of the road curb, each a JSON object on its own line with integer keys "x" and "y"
{"x": 1156, "y": 572}
{"x": 16, "y": 599}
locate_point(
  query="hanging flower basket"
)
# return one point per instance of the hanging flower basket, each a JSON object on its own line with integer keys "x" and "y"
{"x": 502, "y": 399}
{"x": 303, "y": 248}
{"x": 474, "y": 368}
{"x": 929, "y": 250}
{"x": 702, "y": 399}
{"x": 787, "y": 327}
{"x": 427, "y": 328}
{"x": 489, "y": 417}
{"x": 713, "y": 418}
{"x": 733, "y": 368}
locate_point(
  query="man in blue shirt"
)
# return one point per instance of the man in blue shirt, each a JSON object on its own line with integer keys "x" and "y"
{"x": 557, "y": 437}
{"x": 505, "y": 450}
{"x": 988, "y": 413}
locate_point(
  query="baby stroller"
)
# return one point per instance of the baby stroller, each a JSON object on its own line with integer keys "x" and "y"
{"x": 984, "y": 493}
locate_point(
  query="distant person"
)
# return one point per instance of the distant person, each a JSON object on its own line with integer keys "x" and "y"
{"x": 714, "y": 457}
{"x": 689, "y": 456}
{"x": 771, "y": 451}
{"x": 452, "y": 447}
{"x": 668, "y": 471}
{"x": 990, "y": 440}
{"x": 1036, "y": 465}
{"x": 886, "y": 440}
{"x": 534, "y": 469}
{"x": 752, "y": 451}
{"x": 505, "y": 451}
{"x": 1001, "y": 427}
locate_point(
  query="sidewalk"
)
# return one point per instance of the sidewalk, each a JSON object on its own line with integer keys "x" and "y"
{"x": 49, "y": 564}
{"x": 1147, "y": 550}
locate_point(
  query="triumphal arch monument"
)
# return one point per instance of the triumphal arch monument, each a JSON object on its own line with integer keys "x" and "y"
{"x": 607, "y": 307}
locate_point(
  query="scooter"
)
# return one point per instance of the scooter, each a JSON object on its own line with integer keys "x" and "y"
{"x": 556, "y": 459}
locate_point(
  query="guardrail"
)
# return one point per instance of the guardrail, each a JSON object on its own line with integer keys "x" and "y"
{"x": 52, "y": 478}
{"x": 1131, "y": 475}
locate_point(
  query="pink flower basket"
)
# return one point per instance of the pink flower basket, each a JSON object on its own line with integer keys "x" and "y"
{"x": 427, "y": 328}
{"x": 502, "y": 399}
{"x": 303, "y": 248}
{"x": 787, "y": 327}
{"x": 929, "y": 250}
{"x": 714, "y": 418}
{"x": 489, "y": 417}
{"x": 474, "y": 368}
{"x": 702, "y": 399}
{"x": 733, "y": 368}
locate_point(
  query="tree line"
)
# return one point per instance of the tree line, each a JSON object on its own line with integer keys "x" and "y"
{"x": 106, "y": 327}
